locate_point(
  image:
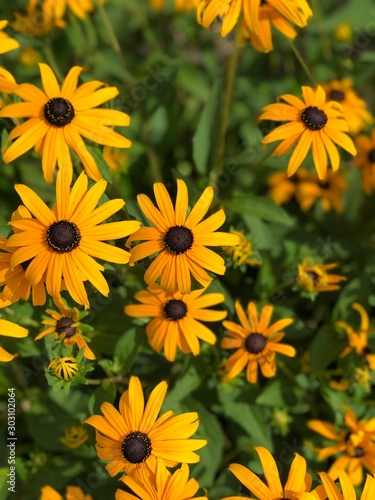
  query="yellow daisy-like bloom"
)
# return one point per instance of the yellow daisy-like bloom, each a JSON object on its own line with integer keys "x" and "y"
{"x": 176, "y": 318}
{"x": 75, "y": 436}
{"x": 133, "y": 438}
{"x": 65, "y": 325}
{"x": 6, "y": 42}
{"x": 354, "y": 109}
{"x": 365, "y": 161}
{"x": 315, "y": 278}
{"x": 62, "y": 242}
{"x": 358, "y": 340}
{"x": 72, "y": 493}
{"x": 30, "y": 57}
{"x": 115, "y": 158}
{"x": 282, "y": 187}
{"x": 298, "y": 484}
{"x": 347, "y": 489}
{"x": 256, "y": 341}
{"x": 313, "y": 122}
{"x": 343, "y": 32}
{"x": 9, "y": 329}
{"x": 166, "y": 486}
{"x": 180, "y": 239}
{"x": 355, "y": 443}
{"x": 59, "y": 116}
{"x": 65, "y": 368}
{"x": 330, "y": 191}
{"x": 242, "y": 253}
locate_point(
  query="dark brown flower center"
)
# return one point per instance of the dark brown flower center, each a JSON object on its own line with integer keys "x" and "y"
{"x": 255, "y": 343}
{"x": 371, "y": 156}
{"x": 175, "y": 309}
{"x": 26, "y": 264}
{"x": 337, "y": 95}
{"x": 324, "y": 184}
{"x": 58, "y": 112}
{"x": 63, "y": 236}
{"x": 136, "y": 447}
{"x": 314, "y": 118}
{"x": 178, "y": 239}
{"x": 314, "y": 276}
{"x": 63, "y": 325}
{"x": 358, "y": 452}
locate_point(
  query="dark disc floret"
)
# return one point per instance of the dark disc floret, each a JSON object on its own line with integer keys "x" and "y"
{"x": 371, "y": 156}
{"x": 175, "y": 309}
{"x": 336, "y": 95}
{"x": 63, "y": 236}
{"x": 58, "y": 112}
{"x": 136, "y": 447}
{"x": 255, "y": 343}
{"x": 314, "y": 276}
{"x": 178, "y": 239}
{"x": 358, "y": 452}
{"x": 314, "y": 118}
{"x": 63, "y": 325}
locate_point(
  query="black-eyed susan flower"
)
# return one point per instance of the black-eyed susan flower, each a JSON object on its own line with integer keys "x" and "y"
{"x": 6, "y": 42}
{"x": 354, "y": 109}
{"x": 347, "y": 489}
{"x": 65, "y": 368}
{"x": 329, "y": 191}
{"x": 72, "y": 493}
{"x": 314, "y": 277}
{"x": 165, "y": 486}
{"x": 243, "y": 252}
{"x": 313, "y": 123}
{"x": 133, "y": 438}
{"x": 358, "y": 339}
{"x": 177, "y": 318}
{"x": 365, "y": 161}
{"x": 180, "y": 239}
{"x": 9, "y": 329}
{"x": 256, "y": 342}
{"x": 297, "y": 486}
{"x": 75, "y": 436}
{"x": 66, "y": 326}
{"x": 59, "y": 116}
{"x": 115, "y": 158}
{"x": 62, "y": 242}
{"x": 282, "y": 187}
{"x": 354, "y": 443}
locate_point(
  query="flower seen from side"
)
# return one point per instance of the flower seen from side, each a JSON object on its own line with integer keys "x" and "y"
{"x": 134, "y": 437}
{"x": 65, "y": 368}
{"x": 243, "y": 252}
{"x": 180, "y": 239}
{"x": 313, "y": 277}
{"x": 282, "y": 188}
{"x": 365, "y": 161}
{"x": 9, "y": 329}
{"x": 313, "y": 124}
{"x": 7, "y": 43}
{"x": 72, "y": 493}
{"x": 58, "y": 118}
{"x": 347, "y": 489}
{"x": 75, "y": 436}
{"x": 256, "y": 342}
{"x": 177, "y": 318}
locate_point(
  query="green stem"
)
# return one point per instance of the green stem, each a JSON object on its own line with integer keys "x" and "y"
{"x": 268, "y": 153}
{"x": 152, "y": 157}
{"x": 50, "y": 58}
{"x": 303, "y": 64}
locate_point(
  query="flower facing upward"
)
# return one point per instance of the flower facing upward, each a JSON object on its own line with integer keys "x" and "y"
{"x": 348, "y": 492}
{"x": 176, "y": 318}
{"x": 355, "y": 444}
{"x": 62, "y": 242}
{"x": 133, "y": 438}
{"x": 180, "y": 239}
{"x": 298, "y": 485}
{"x": 358, "y": 340}
{"x": 243, "y": 252}
{"x": 72, "y": 493}
{"x": 9, "y": 329}
{"x": 315, "y": 278}
{"x": 354, "y": 109}
{"x": 75, "y": 436}
{"x": 365, "y": 161}
{"x": 256, "y": 342}
{"x": 6, "y": 42}
{"x": 313, "y": 122}
{"x": 166, "y": 486}
{"x": 59, "y": 116}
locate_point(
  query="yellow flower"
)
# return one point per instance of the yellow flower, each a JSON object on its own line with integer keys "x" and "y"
{"x": 358, "y": 340}
{"x": 133, "y": 438}
{"x": 241, "y": 253}
{"x": 65, "y": 325}
{"x": 29, "y": 57}
{"x": 65, "y": 368}
{"x": 72, "y": 493}
{"x": 282, "y": 187}
{"x": 59, "y": 116}
{"x": 176, "y": 318}
{"x": 354, "y": 109}
{"x": 343, "y": 32}
{"x": 348, "y": 492}
{"x": 6, "y": 42}
{"x": 75, "y": 436}
{"x": 179, "y": 5}
{"x": 166, "y": 486}
{"x": 62, "y": 242}
{"x": 9, "y": 329}
{"x": 297, "y": 486}
{"x": 355, "y": 443}
{"x": 115, "y": 158}
{"x": 365, "y": 160}
{"x": 314, "y": 123}
{"x": 256, "y": 341}
{"x": 180, "y": 239}
{"x": 315, "y": 278}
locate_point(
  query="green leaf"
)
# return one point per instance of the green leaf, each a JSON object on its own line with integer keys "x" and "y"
{"x": 325, "y": 348}
{"x": 184, "y": 386}
{"x": 104, "y": 393}
{"x": 128, "y": 346}
{"x": 258, "y": 206}
{"x": 101, "y": 163}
